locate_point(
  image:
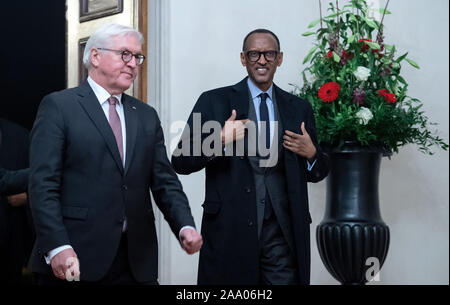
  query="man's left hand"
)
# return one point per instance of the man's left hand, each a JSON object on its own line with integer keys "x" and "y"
{"x": 300, "y": 144}
{"x": 191, "y": 240}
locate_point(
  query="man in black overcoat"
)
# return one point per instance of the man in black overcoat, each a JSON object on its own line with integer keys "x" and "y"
{"x": 256, "y": 220}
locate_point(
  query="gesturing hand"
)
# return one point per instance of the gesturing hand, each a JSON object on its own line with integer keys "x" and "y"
{"x": 191, "y": 240}
{"x": 300, "y": 144}
{"x": 233, "y": 130}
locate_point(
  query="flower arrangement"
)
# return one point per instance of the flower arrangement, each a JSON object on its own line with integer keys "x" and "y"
{"x": 354, "y": 84}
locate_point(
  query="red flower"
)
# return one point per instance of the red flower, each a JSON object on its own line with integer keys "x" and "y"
{"x": 330, "y": 54}
{"x": 344, "y": 57}
{"x": 329, "y": 92}
{"x": 365, "y": 45}
{"x": 389, "y": 97}
{"x": 383, "y": 92}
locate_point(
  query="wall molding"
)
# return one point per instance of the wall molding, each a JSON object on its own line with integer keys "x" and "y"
{"x": 159, "y": 97}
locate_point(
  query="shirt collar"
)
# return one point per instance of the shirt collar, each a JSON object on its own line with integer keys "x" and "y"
{"x": 255, "y": 91}
{"x": 101, "y": 93}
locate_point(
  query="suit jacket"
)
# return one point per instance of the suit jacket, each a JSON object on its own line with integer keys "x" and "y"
{"x": 81, "y": 193}
{"x": 230, "y": 254}
{"x": 13, "y": 182}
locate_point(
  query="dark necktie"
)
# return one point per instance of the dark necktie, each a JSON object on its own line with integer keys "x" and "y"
{"x": 264, "y": 116}
{"x": 116, "y": 127}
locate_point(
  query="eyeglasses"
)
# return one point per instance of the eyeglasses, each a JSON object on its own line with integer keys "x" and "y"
{"x": 254, "y": 56}
{"x": 127, "y": 55}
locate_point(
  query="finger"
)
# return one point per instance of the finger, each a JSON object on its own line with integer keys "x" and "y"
{"x": 291, "y": 144}
{"x": 292, "y": 134}
{"x": 187, "y": 241}
{"x": 288, "y": 138}
{"x": 188, "y": 250}
{"x": 59, "y": 273}
{"x": 287, "y": 147}
{"x": 241, "y": 131}
{"x": 303, "y": 129}
{"x": 244, "y": 121}
{"x": 233, "y": 116}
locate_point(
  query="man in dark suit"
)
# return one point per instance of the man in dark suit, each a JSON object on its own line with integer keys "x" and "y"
{"x": 95, "y": 153}
{"x": 16, "y": 234}
{"x": 256, "y": 217}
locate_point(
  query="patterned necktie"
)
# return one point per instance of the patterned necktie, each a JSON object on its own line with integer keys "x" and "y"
{"x": 116, "y": 127}
{"x": 264, "y": 116}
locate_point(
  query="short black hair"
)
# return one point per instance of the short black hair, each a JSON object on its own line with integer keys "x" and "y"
{"x": 260, "y": 31}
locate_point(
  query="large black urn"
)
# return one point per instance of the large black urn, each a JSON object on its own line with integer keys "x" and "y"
{"x": 352, "y": 238}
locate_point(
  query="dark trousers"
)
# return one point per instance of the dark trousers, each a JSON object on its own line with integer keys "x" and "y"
{"x": 118, "y": 274}
{"x": 277, "y": 262}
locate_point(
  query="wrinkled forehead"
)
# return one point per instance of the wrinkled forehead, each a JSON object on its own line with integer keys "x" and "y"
{"x": 127, "y": 41}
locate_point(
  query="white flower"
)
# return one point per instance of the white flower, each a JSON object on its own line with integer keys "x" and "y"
{"x": 312, "y": 78}
{"x": 364, "y": 115}
{"x": 362, "y": 73}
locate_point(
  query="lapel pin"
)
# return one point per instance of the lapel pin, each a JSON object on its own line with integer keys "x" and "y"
{"x": 134, "y": 107}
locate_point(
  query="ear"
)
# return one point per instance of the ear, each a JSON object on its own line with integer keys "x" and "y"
{"x": 243, "y": 61}
{"x": 280, "y": 59}
{"x": 94, "y": 57}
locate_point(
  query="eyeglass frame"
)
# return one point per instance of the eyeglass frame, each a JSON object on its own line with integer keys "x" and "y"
{"x": 262, "y": 53}
{"x": 124, "y": 52}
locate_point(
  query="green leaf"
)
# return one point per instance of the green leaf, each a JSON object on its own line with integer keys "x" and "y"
{"x": 401, "y": 57}
{"x": 372, "y": 45}
{"x": 341, "y": 13}
{"x": 371, "y": 23}
{"x": 353, "y": 18}
{"x": 383, "y": 11}
{"x": 412, "y": 63}
{"x": 336, "y": 57}
{"x": 351, "y": 39}
{"x": 310, "y": 53}
{"x": 389, "y": 47}
{"x": 308, "y": 33}
{"x": 313, "y": 24}
{"x": 401, "y": 79}
{"x": 332, "y": 15}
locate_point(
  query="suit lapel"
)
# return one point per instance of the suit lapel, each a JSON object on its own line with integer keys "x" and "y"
{"x": 131, "y": 123}
{"x": 89, "y": 102}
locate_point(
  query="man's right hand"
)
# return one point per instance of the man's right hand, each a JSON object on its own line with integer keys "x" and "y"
{"x": 233, "y": 130}
{"x": 64, "y": 261}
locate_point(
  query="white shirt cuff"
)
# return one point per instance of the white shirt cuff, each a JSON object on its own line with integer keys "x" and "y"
{"x": 53, "y": 252}
{"x": 310, "y": 166}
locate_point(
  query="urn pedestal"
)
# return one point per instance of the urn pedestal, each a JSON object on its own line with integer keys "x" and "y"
{"x": 352, "y": 238}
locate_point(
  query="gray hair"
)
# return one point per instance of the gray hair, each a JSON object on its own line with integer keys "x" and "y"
{"x": 103, "y": 36}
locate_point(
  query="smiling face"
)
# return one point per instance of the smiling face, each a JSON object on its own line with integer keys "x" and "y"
{"x": 262, "y": 71}
{"x": 108, "y": 68}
